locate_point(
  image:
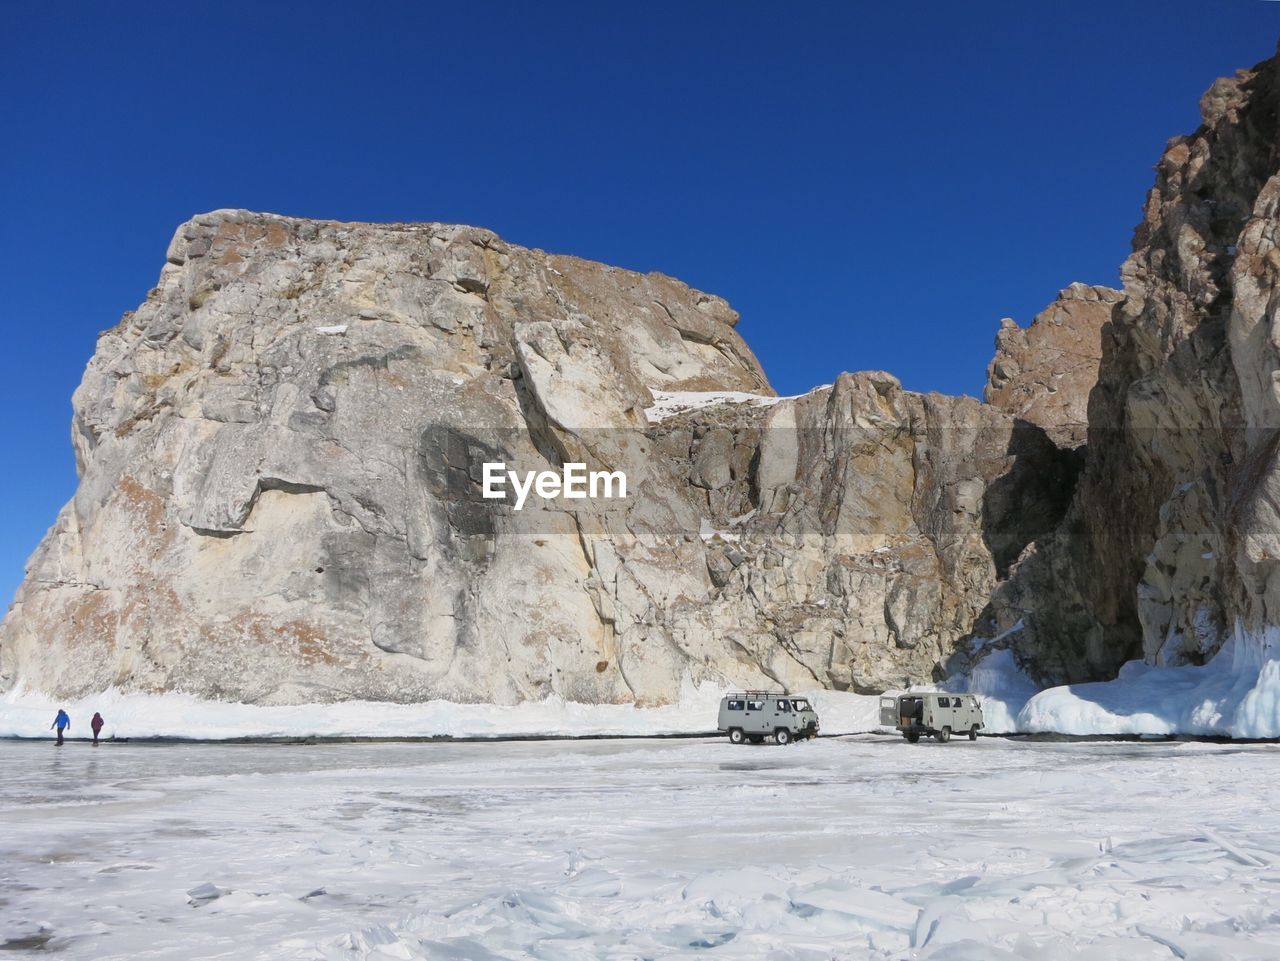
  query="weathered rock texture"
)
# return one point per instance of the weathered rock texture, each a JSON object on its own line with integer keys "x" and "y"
{"x": 1171, "y": 544}
{"x": 1044, "y": 373}
{"x": 855, "y": 533}
{"x": 281, "y": 449}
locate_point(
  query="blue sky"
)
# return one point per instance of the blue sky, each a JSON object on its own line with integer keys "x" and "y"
{"x": 871, "y": 185}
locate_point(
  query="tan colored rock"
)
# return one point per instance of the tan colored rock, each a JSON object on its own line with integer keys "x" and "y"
{"x": 1170, "y": 546}
{"x": 1043, "y": 373}
{"x": 280, "y": 453}
{"x": 281, "y": 459}
{"x": 863, "y": 547}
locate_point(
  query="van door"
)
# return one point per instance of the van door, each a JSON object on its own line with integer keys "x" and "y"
{"x": 889, "y": 715}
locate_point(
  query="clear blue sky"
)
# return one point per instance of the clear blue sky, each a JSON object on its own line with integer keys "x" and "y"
{"x": 871, "y": 185}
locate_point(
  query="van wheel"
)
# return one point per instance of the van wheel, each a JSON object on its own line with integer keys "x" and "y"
{"x": 913, "y": 738}
{"x": 736, "y": 736}
{"x": 782, "y": 736}
{"x": 944, "y": 735}
{"x": 973, "y": 733}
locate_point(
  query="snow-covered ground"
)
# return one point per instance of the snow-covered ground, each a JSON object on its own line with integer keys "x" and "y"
{"x": 29, "y": 714}
{"x": 840, "y": 848}
{"x": 1236, "y": 694}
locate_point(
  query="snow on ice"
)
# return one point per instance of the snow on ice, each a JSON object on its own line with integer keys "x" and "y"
{"x": 1236, "y": 694}
{"x": 29, "y": 714}
{"x": 856, "y": 848}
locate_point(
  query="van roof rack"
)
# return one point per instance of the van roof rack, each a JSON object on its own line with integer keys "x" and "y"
{"x": 757, "y": 694}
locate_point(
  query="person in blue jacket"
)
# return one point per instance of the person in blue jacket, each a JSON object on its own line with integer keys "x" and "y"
{"x": 60, "y": 723}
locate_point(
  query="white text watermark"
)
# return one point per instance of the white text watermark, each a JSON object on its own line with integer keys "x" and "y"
{"x": 572, "y": 482}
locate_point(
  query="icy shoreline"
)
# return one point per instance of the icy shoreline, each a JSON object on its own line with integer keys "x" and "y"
{"x": 182, "y": 717}
{"x": 1236, "y": 696}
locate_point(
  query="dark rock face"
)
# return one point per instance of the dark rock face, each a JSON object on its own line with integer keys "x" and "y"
{"x": 1166, "y": 549}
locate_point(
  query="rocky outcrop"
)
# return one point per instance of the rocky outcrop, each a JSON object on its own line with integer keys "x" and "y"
{"x": 282, "y": 450}
{"x": 271, "y": 445}
{"x": 1169, "y": 548}
{"x": 1044, "y": 373}
{"x": 282, "y": 472}
{"x": 864, "y": 536}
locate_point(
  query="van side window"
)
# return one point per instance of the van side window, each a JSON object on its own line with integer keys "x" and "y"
{"x": 755, "y": 705}
{"x": 944, "y": 702}
{"x": 735, "y": 705}
{"x": 784, "y": 706}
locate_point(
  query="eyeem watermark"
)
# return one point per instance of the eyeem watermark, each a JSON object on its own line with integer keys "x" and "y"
{"x": 572, "y": 481}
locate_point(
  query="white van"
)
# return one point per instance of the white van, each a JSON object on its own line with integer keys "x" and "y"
{"x": 932, "y": 713}
{"x": 756, "y": 715}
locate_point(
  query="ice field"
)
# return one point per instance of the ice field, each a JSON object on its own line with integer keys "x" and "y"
{"x": 862, "y": 847}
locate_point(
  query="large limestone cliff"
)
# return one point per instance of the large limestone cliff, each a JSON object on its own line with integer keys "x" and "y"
{"x": 280, "y": 499}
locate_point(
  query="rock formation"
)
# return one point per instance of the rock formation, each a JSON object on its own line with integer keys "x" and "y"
{"x": 862, "y": 535}
{"x": 1170, "y": 545}
{"x": 281, "y": 453}
{"x": 1044, "y": 373}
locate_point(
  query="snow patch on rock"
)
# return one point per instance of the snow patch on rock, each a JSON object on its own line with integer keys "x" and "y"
{"x": 668, "y": 403}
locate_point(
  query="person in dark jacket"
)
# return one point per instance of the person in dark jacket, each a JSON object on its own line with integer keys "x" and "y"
{"x": 60, "y": 723}
{"x": 96, "y": 724}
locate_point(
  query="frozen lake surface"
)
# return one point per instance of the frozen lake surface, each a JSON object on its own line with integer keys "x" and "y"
{"x": 841, "y": 848}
